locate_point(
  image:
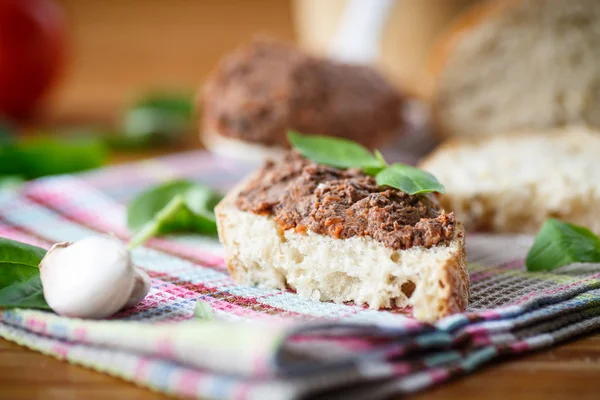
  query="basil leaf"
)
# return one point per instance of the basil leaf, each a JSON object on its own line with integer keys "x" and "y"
{"x": 333, "y": 151}
{"x": 27, "y": 294}
{"x": 143, "y": 208}
{"x": 409, "y": 179}
{"x": 20, "y": 284}
{"x": 379, "y": 156}
{"x": 171, "y": 102}
{"x": 158, "y": 118}
{"x": 18, "y": 261}
{"x": 172, "y": 207}
{"x": 45, "y": 156}
{"x": 201, "y": 203}
{"x": 559, "y": 243}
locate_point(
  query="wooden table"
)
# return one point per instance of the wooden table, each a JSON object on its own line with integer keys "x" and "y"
{"x": 114, "y": 54}
{"x": 570, "y": 371}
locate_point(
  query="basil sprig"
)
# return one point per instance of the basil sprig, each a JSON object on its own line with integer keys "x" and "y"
{"x": 172, "y": 207}
{"x": 334, "y": 151}
{"x": 344, "y": 153}
{"x": 33, "y": 158}
{"x": 409, "y": 179}
{"x": 560, "y": 243}
{"x": 157, "y": 118}
{"x": 20, "y": 285}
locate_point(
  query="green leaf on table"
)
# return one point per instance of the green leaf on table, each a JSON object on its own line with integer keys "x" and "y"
{"x": 48, "y": 156}
{"x": 177, "y": 206}
{"x": 334, "y": 151}
{"x": 20, "y": 284}
{"x": 158, "y": 118}
{"x": 27, "y": 294}
{"x": 18, "y": 261}
{"x": 558, "y": 244}
{"x": 409, "y": 179}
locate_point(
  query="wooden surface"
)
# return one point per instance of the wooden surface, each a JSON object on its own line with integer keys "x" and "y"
{"x": 571, "y": 371}
{"x": 122, "y": 46}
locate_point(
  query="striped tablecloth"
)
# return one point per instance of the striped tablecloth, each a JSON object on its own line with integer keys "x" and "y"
{"x": 269, "y": 344}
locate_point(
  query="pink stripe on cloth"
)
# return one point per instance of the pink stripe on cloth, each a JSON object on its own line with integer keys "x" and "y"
{"x": 479, "y": 276}
{"x": 61, "y": 350}
{"x": 97, "y": 221}
{"x": 9, "y": 232}
{"x": 189, "y": 382}
{"x": 558, "y": 289}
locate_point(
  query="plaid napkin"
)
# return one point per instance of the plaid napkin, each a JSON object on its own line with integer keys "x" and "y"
{"x": 271, "y": 344}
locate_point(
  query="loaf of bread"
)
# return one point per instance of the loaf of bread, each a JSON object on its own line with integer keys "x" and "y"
{"x": 517, "y": 64}
{"x": 318, "y": 231}
{"x": 513, "y": 182}
{"x": 260, "y": 91}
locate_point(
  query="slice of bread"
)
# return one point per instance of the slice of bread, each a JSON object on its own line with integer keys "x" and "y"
{"x": 239, "y": 149}
{"x": 517, "y": 64}
{"x": 512, "y": 183}
{"x": 434, "y": 281}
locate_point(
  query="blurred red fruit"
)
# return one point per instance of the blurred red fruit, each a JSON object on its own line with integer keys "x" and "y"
{"x": 32, "y": 39}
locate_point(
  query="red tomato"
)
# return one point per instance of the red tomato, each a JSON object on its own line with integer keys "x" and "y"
{"x": 32, "y": 34}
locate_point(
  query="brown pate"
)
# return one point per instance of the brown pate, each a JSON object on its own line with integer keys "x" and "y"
{"x": 260, "y": 91}
{"x": 303, "y": 195}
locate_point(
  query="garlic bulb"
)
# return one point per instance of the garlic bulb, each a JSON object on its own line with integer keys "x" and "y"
{"x": 91, "y": 278}
{"x": 141, "y": 287}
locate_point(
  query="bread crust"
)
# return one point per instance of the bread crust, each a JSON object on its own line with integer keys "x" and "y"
{"x": 445, "y": 284}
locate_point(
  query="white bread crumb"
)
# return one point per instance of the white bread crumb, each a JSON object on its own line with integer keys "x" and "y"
{"x": 358, "y": 269}
{"x": 514, "y": 182}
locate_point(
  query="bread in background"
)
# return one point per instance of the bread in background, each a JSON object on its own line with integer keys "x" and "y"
{"x": 411, "y": 30}
{"x": 513, "y": 182}
{"x": 517, "y": 64}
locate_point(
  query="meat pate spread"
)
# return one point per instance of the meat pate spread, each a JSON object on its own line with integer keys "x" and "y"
{"x": 302, "y": 195}
{"x": 260, "y": 91}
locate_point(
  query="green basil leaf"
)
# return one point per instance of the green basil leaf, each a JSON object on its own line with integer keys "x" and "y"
{"x": 201, "y": 203}
{"x": 20, "y": 284}
{"x": 47, "y": 156}
{"x": 559, "y": 243}
{"x": 171, "y": 102}
{"x": 379, "y": 156}
{"x": 158, "y": 118}
{"x": 27, "y": 294}
{"x": 18, "y": 261}
{"x": 333, "y": 151}
{"x": 409, "y": 179}
{"x": 173, "y": 207}
{"x": 143, "y": 208}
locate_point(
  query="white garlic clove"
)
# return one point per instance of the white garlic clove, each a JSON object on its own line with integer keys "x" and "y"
{"x": 141, "y": 287}
{"x": 90, "y": 278}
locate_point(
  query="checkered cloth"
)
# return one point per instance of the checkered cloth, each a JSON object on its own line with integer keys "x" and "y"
{"x": 270, "y": 344}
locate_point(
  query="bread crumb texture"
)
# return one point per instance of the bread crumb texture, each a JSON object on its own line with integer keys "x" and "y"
{"x": 433, "y": 281}
{"x": 514, "y": 182}
{"x": 528, "y": 64}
